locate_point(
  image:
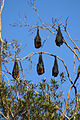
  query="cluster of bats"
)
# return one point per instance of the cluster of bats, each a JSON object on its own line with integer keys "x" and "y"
{"x": 40, "y": 65}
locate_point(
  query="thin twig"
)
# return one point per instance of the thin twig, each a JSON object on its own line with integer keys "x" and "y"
{"x": 72, "y": 50}
{"x": 2, "y": 5}
{"x": 22, "y": 70}
{"x": 3, "y": 115}
{"x": 6, "y": 77}
{"x": 67, "y": 101}
{"x": 27, "y": 86}
{"x": 72, "y": 41}
{"x": 62, "y": 112}
{"x": 74, "y": 61}
{"x": 69, "y": 95}
{"x": 29, "y": 55}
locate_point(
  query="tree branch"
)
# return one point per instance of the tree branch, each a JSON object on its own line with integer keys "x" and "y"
{"x": 2, "y": 7}
{"x": 67, "y": 101}
{"x": 1, "y": 42}
{"x": 29, "y": 55}
{"x": 69, "y": 95}
{"x": 71, "y": 50}
{"x": 3, "y": 115}
{"x": 72, "y": 41}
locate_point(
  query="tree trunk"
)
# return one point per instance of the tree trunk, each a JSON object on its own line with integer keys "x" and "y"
{"x": 1, "y": 41}
{"x": 0, "y": 51}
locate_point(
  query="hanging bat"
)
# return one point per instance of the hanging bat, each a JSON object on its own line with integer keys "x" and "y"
{"x": 15, "y": 72}
{"x": 59, "y": 37}
{"x": 40, "y": 66}
{"x": 55, "y": 68}
{"x": 37, "y": 40}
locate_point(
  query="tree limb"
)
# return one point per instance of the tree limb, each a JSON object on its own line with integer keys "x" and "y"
{"x": 3, "y": 115}
{"x": 72, "y": 50}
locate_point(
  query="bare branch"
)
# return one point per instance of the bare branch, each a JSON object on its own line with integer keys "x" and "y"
{"x": 76, "y": 108}
{"x": 22, "y": 70}
{"x": 62, "y": 112}
{"x": 37, "y": 13}
{"x": 72, "y": 50}
{"x": 69, "y": 95}
{"x": 72, "y": 41}
{"x": 2, "y": 5}
{"x": 29, "y": 55}
{"x": 27, "y": 86}
{"x": 6, "y": 77}
{"x": 67, "y": 101}
{"x": 66, "y": 21}
{"x": 1, "y": 41}
{"x": 3, "y": 115}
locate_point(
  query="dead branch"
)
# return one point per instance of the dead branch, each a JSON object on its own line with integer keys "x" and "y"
{"x": 30, "y": 55}
{"x": 72, "y": 41}
{"x": 67, "y": 101}
{"x": 3, "y": 115}
{"x": 2, "y": 5}
{"x": 69, "y": 95}
{"x": 72, "y": 50}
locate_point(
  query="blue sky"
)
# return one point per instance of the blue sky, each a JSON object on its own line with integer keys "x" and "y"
{"x": 14, "y": 12}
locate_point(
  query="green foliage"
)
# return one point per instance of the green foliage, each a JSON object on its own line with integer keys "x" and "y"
{"x": 27, "y": 101}
{"x": 22, "y": 101}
